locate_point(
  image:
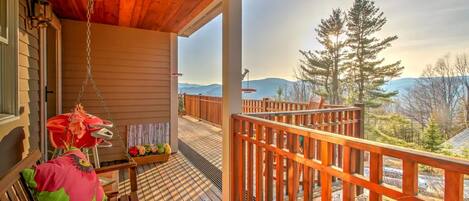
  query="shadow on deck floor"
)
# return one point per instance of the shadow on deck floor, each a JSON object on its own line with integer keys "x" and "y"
{"x": 179, "y": 178}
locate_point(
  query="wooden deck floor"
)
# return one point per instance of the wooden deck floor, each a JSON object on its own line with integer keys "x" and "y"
{"x": 178, "y": 179}
{"x": 203, "y": 138}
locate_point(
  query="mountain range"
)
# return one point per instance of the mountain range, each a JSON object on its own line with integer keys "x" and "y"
{"x": 267, "y": 87}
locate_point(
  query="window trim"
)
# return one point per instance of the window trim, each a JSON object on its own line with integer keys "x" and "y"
{"x": 9, "y": 76}
{"x": 4, "y": 39}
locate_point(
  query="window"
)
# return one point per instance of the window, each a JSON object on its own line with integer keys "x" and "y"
{"x": 3, "y": 21}
{"x": 8, "y": 59}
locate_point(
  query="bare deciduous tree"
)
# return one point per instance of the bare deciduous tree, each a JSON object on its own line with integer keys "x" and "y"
{"x": 436, "y": 94}
{"x": 462, "y": 67}
{"x": 300, "y": 91}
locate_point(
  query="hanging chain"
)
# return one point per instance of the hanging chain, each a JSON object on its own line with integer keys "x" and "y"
{"x": 89, "y": 75}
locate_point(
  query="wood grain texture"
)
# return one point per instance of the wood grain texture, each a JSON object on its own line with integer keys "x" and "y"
{"x": 27, "y": 123}
{"x": 167, "y": 16}
{"x": 131, "y": 68}
{"x": 454, "y": 169}
{"x": 209, "y": 108}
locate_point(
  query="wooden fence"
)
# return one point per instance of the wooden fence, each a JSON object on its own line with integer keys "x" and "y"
{"x": 269, "y": 157}
{"x": 209, "y": 108}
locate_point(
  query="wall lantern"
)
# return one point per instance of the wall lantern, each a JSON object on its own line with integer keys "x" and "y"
{"x": 39, "y": 13}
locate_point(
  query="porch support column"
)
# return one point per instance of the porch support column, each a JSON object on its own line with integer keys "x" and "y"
{"x": 173, "y": 125}
{"x": 231, "y": 89}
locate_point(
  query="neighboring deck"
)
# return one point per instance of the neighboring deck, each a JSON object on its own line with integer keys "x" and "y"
{"x": 179, "y": 178}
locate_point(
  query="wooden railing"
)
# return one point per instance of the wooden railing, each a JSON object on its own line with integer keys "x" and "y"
{"x": 209, "y": 108}
{"x": 268, "y": 158}
{"x": 346, "y": 121}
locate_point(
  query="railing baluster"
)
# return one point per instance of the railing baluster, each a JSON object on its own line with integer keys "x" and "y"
{"x": 308, "y": 173}
{"x": 376, "y": 174}
{"x": 333, "y": 129}
{"x": 279, "y": 168}
{"x": 250, "y": 159}
{"x": 259, "y": 159}
{"x": 340, "y": 131}
{"x": 410, "y": 178}
{"x": 238, "y": 165}
{"x": 359, "y": 133}
{"x": 294, "y": 167}
{"x": 326, "y": 179}
{"x": 268, "y": 167}
{"x": 454, "y": 186}
{"x": 348, "y": 190}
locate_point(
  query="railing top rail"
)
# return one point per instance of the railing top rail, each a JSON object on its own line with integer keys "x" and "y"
{"x": 421, "y": 157}
{"x": 303, "y": 112}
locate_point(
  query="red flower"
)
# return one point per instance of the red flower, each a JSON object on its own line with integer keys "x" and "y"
{"x": 133, "y": 151}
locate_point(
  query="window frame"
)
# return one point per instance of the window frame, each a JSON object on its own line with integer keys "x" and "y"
{"x": 9, "y": 76}
{"x": 4, "y": 39}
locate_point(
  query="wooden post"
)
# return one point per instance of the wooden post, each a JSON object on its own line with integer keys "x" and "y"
{"x": 269, "y": 166}
{"x": 326, "y": 179}
{"x": 376, "y": 174}
{"x": 184, "y": 103}
{"x": 133, "y": 179}
{"x": 410, "y": 177}
{"x": 173, "y": 139}
{"x": 454, "y": 186}
{"x": 279, "y": 168}
{"x": 238, "y": 156}
{"x": 250, "y": 165}
{"x": 359, "y": 132}
{"x": 265, "y": 104}
{"x": 199, "y": 116}
{"x": 259, "y": 164}
{"x": 348, "y": 192}
{"x": 231, "y": 88}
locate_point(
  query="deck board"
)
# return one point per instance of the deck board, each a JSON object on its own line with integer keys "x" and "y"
{"x": 179, "y": 179}
{"x": 202, "y": 137}
{"x": 176, "y": 179}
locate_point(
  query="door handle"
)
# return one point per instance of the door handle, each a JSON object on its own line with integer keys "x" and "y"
{"x": 48, "y": 92}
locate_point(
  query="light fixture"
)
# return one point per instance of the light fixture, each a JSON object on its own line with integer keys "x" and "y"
{"x": 39, "y": 13}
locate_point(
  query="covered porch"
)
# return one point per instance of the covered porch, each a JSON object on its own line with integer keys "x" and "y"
{"x": 256, "y": 150}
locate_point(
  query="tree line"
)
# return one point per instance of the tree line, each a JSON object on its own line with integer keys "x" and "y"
{"x": 347, "y": 69}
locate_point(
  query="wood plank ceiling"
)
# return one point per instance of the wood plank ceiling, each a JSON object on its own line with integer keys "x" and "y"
{"x": 159, "y": 15}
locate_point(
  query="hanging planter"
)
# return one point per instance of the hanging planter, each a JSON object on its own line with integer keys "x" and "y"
{"x": 150, "y": 153}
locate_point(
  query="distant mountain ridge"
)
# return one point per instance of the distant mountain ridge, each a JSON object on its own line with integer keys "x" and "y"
{"x": 268, "y": 87}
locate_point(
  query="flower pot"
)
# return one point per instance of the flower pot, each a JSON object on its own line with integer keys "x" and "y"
{"x": 154, "y": 158}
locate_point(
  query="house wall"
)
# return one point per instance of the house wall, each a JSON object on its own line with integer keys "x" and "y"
{"x": 20, "y": 135}
{"x": 131, "y": 68}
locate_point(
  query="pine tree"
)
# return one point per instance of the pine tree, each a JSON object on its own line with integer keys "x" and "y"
{"x": 432, "y": 137}
{"x": 279, "y": 94}
{"x": 322, "y": 68}
{"x": 366, "y": 72}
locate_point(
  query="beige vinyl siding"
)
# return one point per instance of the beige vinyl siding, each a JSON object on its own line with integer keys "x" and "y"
{"x": 131, "y": 68}
{"x": 21, "y": 135}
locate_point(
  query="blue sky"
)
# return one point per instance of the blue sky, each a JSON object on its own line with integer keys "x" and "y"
{"x": 274, "y": 31}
